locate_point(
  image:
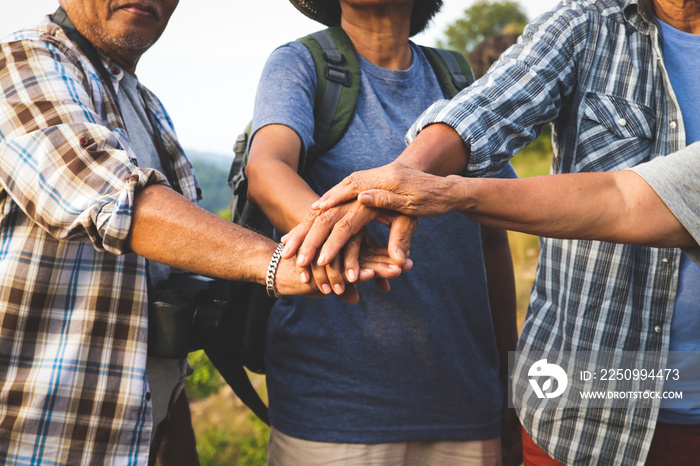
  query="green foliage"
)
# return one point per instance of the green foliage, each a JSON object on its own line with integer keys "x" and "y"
{"x": 535, "y": 158}
{"x": 481, "y": 20}
{"x": 253, "y": 450}
{"x": 205, "y": 379}
{"x": 219, "y": 447}
{"x": 224, "y": 213}
{"x": 213, "y": 181}
{"x": 214, "y": 447}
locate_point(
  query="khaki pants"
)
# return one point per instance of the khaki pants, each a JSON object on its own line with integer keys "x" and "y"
{"x": 284, "y": 450}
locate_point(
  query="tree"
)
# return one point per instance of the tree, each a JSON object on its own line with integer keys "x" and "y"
{"x": 482, "y": 20}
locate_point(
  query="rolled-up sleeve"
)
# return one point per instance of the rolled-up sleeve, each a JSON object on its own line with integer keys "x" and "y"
{"x": 61, "y": 162}
{"x": 504, "y": 110}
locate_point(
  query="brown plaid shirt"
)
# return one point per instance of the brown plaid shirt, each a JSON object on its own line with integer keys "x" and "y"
{"x": 73, "y": 299}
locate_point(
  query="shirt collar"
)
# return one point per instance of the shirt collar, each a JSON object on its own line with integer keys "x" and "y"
{"x": 639, "y": 13}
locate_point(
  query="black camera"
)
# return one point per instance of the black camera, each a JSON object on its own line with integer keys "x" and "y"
{"x": 190, "y": 312}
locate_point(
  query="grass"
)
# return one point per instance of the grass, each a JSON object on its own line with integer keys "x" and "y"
{"x": 227, "y": 432}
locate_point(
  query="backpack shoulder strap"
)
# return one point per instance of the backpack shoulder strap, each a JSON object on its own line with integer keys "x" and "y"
{"x": 338, "y": 86}
{"x": 451, "y": 68}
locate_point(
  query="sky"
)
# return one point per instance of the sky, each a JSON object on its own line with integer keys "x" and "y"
{"x": 207, "y": 63}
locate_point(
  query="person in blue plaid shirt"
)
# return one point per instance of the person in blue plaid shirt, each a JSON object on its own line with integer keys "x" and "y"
{"x": 87, "y": 218}
{"x": 618, "y": 81}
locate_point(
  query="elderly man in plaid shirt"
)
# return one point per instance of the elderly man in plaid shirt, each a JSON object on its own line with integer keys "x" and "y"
{"x": 88, "y": 217}
{"x": 618, "y": 80}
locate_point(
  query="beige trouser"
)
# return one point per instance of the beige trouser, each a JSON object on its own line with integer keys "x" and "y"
{"x": 284, "y": 450}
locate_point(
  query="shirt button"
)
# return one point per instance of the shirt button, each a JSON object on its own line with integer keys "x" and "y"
{"x": 664, "y": 260}
{"x": 657, "y": 329}
{"x": 84, "y": 142}
{"x": 622, "y": 122}
{"x": 672, "y": 125}
{"x": 148, "y": 396}
{"x": 115, "y": 70}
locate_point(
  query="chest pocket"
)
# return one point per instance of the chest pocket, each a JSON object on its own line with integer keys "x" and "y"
{"x": 615, "y": 134}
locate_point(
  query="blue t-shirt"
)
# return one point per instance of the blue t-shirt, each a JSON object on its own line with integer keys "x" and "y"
{"x": 682, "y": 60}
{"x": 417, "y": 363}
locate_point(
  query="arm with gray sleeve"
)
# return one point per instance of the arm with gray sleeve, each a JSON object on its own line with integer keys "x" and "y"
{"x": 676, "y": 179}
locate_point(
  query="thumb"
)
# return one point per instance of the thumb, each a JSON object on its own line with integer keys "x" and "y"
{"x": 382, "y": 199}
{"x": 402, "y": 229}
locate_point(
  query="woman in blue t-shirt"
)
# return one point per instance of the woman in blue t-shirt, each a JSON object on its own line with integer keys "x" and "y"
{"x": 406, "y": 375}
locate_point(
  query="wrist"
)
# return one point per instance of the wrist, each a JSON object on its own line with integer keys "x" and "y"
{"x": 271, "y": 275}
{"x": 460, "y": 195}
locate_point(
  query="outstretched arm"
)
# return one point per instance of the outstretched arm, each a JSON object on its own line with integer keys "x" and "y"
{"x": 169, "y": 229}
{"x": 614, "y": 206}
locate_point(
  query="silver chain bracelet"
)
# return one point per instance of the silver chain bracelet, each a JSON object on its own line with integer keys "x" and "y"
{"x": 272, "y": 270}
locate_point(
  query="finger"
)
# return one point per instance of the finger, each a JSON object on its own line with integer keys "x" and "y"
{"x": 320, "y": 229}
{"x": 402, "y": 229}
{"x": 304, "y": 273}
{"x": 373, "y": 252}
{"x": 287, "y": 281}
{"x": 378, "y": 260}
{"x": 295, "y": 238}
{"x": 334, "y": 271}
{"x": 386, "y": 200}
{"x": 351, "y": 294}
{"x": 352, "y": 223}
{"x": 383, "y": 219}
{"x": 383, "y": 270}
{"x": 352, "y": 258}
{"x": 382, "y": 284}
{"x": 365, "y": 275}
{"x": 342, "y": 192}
{"x": 320, "y": 278}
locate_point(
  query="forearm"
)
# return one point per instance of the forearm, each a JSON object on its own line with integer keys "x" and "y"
{"x": 438, "y": 150}
{"x": 274, "y": 183}
{"x": 614, "y": 206}
{"x": 169, "y": 229}
{"x": 280, "y": 192}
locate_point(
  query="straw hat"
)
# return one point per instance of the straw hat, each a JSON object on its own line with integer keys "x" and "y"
{"x": 328, "y": 12}
{"x": 324, "y": 11}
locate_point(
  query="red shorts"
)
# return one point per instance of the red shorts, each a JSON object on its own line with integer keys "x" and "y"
{"x": 672, "y": 445}
{"x": 534, "y": 455}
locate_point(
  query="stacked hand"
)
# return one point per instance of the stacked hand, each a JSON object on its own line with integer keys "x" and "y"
{"x": 337, "y": 222}
{"x": 353, "y": 253}
{"x": 399, "y": 188}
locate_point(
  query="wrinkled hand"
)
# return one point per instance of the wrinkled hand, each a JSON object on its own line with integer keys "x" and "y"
{"x": 396, "y": 187}
{"x": 373, "y": 262}
{"x": 362, "y": 259}
{"x": 321, "y": 236}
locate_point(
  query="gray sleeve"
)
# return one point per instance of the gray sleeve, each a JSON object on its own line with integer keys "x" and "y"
{"x": 286, "y": 92}
{"x": 676, "y": 179}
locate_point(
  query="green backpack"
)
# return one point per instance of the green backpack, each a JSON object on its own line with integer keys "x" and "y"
{"x": 337, "y": 90}
{"x": 338, "y": 73}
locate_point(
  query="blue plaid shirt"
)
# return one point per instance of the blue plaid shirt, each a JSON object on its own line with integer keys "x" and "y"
{"x": 594, "y": 69}
{"x": 73, "y": 299}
